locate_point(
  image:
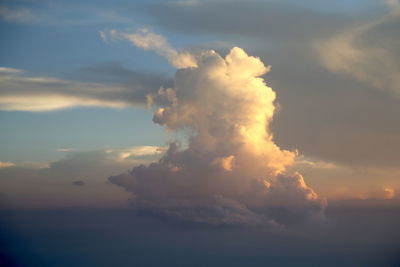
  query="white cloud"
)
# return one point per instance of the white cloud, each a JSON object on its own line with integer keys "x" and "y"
{"x": 9, "y": 71}
{"x": 29, "y": 93}
{"x": 147, "y": 40}
{"x": 231, "y": 155}
{"x": 136, "y": 152}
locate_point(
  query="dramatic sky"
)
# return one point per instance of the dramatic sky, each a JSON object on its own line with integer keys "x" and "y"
{"x": 215, "y": 112}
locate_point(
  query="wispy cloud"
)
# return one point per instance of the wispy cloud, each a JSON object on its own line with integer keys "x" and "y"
{"x": 65, "y": 149}
{"x": 367, "y": 52}
{"x": 5, "y": 164}
{"x": 148, "y": 40}
{"x": 22, "y": 15}
{"x": 23, "y": 92}
{"x": 136, "y": 152}
{"x": 59, "y": 13}
{"x": 373, "y": 192}
{"x": 314, "y": 163}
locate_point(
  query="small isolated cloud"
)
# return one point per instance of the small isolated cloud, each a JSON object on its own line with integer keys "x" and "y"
{"x": 232, "y": 172}
{"x": 5, "y": 164}
{"x": 79, "y": 183}
{"x": 65, "y": 149}
{"x": 149, "y": 153}
{"x": 389, "y": 193}
{"x": 147, "y": 40}
{"x": 61, "y": 13}
{"x": 31, "y": 93}
{"x": 319, "y": 164}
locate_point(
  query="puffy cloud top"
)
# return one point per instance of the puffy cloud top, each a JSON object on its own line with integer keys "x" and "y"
{"x": 232, "y": 171}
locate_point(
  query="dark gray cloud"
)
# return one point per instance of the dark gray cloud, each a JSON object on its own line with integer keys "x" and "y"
{"x": 335, "y": 118}
{"x": 272, "y": 20}
{"x": 79, "y": 183}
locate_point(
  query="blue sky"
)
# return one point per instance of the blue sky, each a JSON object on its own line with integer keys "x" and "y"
{"x": 37, "y": 136}
{"x": 53, "y": 47}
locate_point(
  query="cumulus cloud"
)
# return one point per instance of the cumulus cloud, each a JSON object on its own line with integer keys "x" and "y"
{"x": 23, "y": 92}
{"x": 308, "y": 93}
{"x": 147, "y": 40}
{"x": 232, "y": 172}
{"x": 367, "y": 51}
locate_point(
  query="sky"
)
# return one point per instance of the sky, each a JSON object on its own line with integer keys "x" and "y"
{"x": 209, "y": 113}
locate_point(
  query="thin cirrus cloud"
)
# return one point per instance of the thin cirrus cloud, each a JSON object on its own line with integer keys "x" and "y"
{"x": 21, "y": 15}
{"x": 147, "y": 40}
{"x": 385, "y": 192}
{"x": 59, "y": 13}
{"x": 232, "y": 172}
{"x": 23, "y": 92}
{"x": 367, "y": 52}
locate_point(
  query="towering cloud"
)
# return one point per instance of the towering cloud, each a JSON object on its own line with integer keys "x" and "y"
{"x": 232, "y": 172}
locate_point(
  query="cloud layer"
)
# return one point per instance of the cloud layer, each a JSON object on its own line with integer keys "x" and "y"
{"x": 32, "y": 93}
{"x": 77, "y": 180}
{"x": 232, "y": 171}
